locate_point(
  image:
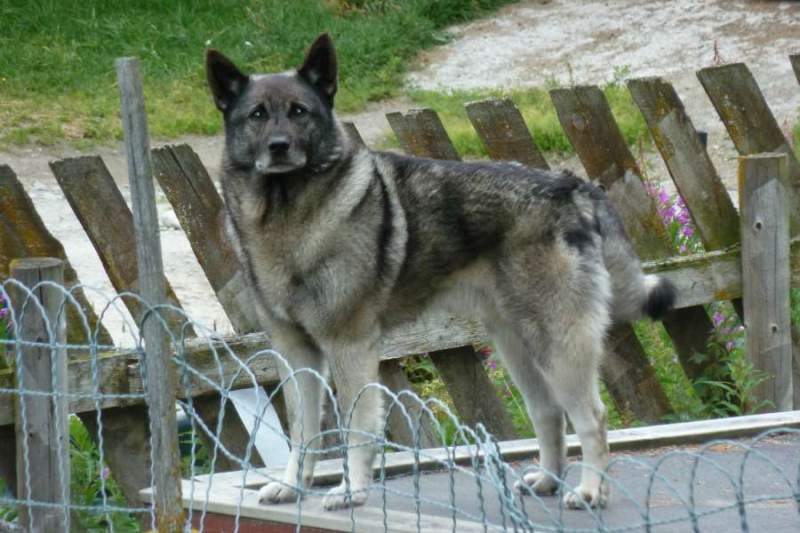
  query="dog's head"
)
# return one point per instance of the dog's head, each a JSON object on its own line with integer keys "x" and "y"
{"x": 278, "y": 124}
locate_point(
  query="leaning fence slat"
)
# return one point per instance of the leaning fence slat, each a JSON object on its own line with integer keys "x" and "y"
{"x": 688, "y": 162}
{"x": 160, "y": 388}
{"x": 421, "y": 133}
{"x": 42, "y": 422}
{"x": 353, "y": 132}
{"x": 503, "y": 132}
{"x": 692, "y": 172}
{"x": 765, "y": 275}
{"x": 198, "y": 206}
{"x": 99, "y": 206}
{"x": 23, "y": 234}
{"x": 750, "y": 123}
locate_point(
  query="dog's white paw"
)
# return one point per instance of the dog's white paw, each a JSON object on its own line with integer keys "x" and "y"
{"x": 276, "y": 492}
{"x": 338, "y": 498}
{"x": 539, "y": 483}
{"x": 581, "y": 496}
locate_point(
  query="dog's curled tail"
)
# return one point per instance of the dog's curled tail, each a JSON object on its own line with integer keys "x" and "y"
{"x": 634, "y": 293}
{"x": 660, "y": 296}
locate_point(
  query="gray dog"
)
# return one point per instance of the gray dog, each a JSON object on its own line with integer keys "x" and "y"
{"x": 340, "y": 243}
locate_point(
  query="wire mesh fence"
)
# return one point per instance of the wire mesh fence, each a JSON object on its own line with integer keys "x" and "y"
{"x": 470, "y": 482}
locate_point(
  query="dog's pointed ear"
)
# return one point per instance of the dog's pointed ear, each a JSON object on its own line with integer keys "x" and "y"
{"x": 320, "y": 69}
{"x": 226, "y": 81}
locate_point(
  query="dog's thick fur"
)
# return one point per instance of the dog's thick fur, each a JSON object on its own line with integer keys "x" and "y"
{"x": 340, "y": 243}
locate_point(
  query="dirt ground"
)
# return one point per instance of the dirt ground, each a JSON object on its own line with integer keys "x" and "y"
{"x": 527, "y": 44}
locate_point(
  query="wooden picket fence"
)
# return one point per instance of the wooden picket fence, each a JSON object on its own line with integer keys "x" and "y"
{"x": 733, "y": 267}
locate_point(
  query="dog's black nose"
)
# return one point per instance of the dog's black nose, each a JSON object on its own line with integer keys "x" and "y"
{"x": 278, "y": 146}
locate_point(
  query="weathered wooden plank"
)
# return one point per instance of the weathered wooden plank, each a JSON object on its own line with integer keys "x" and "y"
{"x": 23, "y": 234}
{"x": 700, "y": 278}
{"x": 503, "y": 132}
{"x": 97, "y": 202}
{"x": 42, "y": 421}
{"x": 400, "y": 429}
{"x": 353, "y": 132}
{"x": 152, "y": 286}
{"x": 586, "y": 118}
{"x": 199, "y": 208}
{"x": 750, "y": 123}
{"x": 469, "y": 385}
{"x": 209, "y": 409}
{"x": 765, "y": 275}
{"x": 688, "y": 162}
{"x": 619, "y": 440}
{"x": 421, "y": 133}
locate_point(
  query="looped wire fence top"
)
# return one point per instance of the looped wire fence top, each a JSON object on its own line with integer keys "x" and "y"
{"x": 470, "y": 483}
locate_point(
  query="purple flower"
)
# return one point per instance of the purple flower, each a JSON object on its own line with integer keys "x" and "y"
{"x": 683, "y": 217}
{"x": 687, "y": 231}
{"x": 663, "y": 196}
{"x": 4, "y": 312}
{"x": 682, "y": 248}
{"x": 492, "y": 364}
{"x": 729, "y": 346}
{"x": 105, "y": 473}
{"x": 718, "y": 318}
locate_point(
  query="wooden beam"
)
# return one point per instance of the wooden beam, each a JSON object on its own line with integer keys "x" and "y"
{"x": 765, "y": 276}
{"x": 23, "y": 234}
{"x": 503, "y": 132}
{"x": 97, "y": 202}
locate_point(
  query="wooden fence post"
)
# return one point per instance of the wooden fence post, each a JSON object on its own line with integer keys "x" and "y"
{"x": 42, "y": 422}
{"x": 766, "y": 274}
{"x": 503, "y": 132}
{"x": 158, "y": 365}
{"x": 421, "y": 133}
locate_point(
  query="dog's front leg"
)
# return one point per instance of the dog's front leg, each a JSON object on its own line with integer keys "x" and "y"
{"x": 354, "y": 365}
{"x": 303, "y": 393}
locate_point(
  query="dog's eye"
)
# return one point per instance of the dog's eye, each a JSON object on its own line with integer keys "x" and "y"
{"x": 297, "y": 110}
{"x": 258, "y": 113}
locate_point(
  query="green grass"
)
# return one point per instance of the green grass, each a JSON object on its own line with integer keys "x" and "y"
{"x": 537, "y": 110}
{"x": 57, "y": 79}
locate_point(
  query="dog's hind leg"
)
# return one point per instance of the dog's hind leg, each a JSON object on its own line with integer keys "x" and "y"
{"x": 303, "y": 393}
{"x": 354, "y": 365}
{"x": 543, "y": 409}
{"x": 573, "y": 375}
